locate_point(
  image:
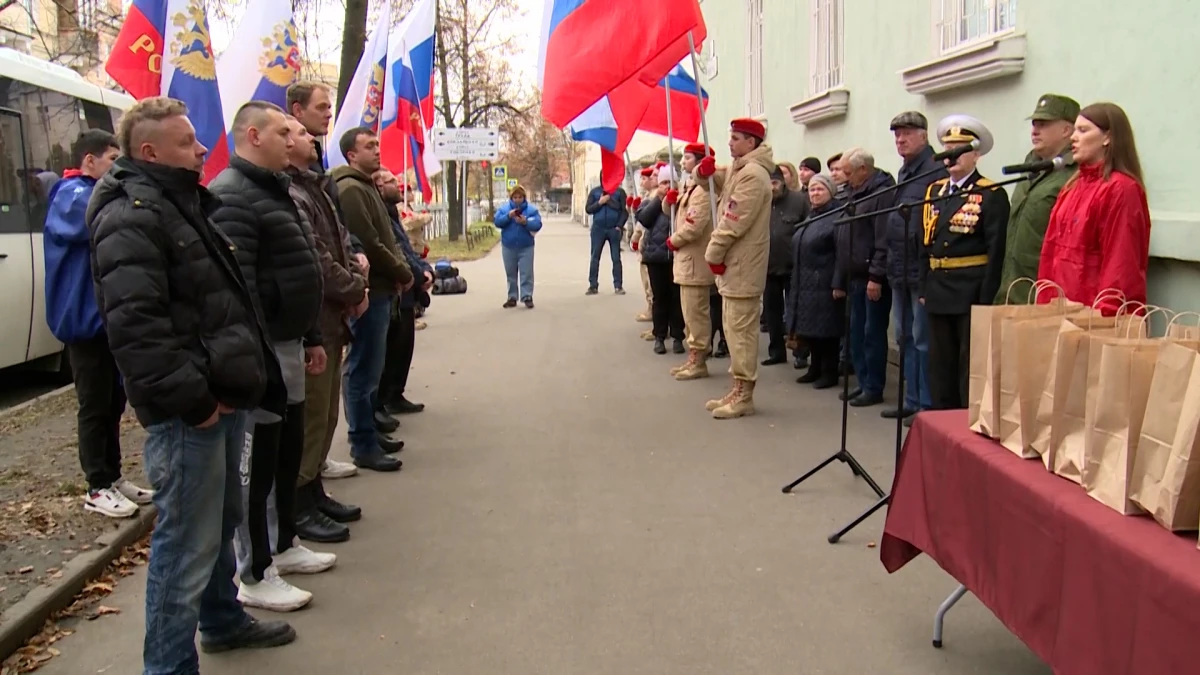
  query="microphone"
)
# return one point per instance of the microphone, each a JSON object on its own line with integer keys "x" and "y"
{"x": 1035, "y": 167}
{"x": 955, "y": 153}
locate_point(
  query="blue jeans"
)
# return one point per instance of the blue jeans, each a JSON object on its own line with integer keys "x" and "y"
{"x": 601, "y": 235}
{"x": 361, "y": 373}
{"x": 868, "y": 337}
{"x": 189, "y": 583}
{"x": 518, "y": 267}
{"x": 914, "y": 340}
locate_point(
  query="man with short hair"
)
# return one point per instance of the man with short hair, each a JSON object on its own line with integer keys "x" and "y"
{"x": 839, "y": 176}
{"x": 74, "y": 319}
{"x": 366, "y": 216}
{"x": 311, "y": 104}
{"x": 320, "y": 517}
{"x": 608, "y": 226}
{"x": 1053, "y": 122}
{"x": 858, "y": 274}
{"x": 737, "y": 255}
{"x": 185, "y": 332}
{"x": 278, "y": 260}
{"x": 901, "y": 264}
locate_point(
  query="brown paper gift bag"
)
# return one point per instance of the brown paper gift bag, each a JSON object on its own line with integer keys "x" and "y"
{"x": 1181, "y": 331}
{"x": 1070, "y": 390}
{"x": 983, "y": 412}
{"x": 1125, "y": 368}
{"x": 1027, "y": 351}
{"x": 1166, "y": 469}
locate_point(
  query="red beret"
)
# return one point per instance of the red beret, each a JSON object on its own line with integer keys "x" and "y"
{"x": 749, "y": 127}
{"x": 648, "y": 171}
{"x": 699, "y": 150}
{"x": 660, "y": 165}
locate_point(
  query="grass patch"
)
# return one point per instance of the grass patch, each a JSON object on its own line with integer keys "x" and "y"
{"x": 457, "y": 251}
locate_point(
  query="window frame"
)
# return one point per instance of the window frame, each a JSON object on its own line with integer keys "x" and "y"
{"x": 755, "y": 99}
{"x": 827, "y": 54}
{"x": 960, "y": 15}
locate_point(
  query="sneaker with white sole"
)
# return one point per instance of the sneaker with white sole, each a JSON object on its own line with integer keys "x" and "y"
{"x": 109, "y": 502}
{"x": 273, "y": 593}
{"x": 334, "y": 469}
{"x": 136, "y": 494}
{"x": 301, "y": 560}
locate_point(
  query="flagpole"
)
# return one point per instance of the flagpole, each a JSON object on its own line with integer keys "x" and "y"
{"x": 671, "y": 142}
{"x": 712, "y": 190}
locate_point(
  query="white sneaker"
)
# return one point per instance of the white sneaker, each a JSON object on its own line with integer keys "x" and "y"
{"x": 109, "y": 502}
{"x": 334, "y": 469}
{"x": 300, "y": 560}
{"x": 273, "y": 593}
{"x": 135, "y": 494}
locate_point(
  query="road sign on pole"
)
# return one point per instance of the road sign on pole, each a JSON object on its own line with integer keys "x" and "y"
{"x": 466, "y": 145}
{"x": 512, "y": 183}
{"x": 500, "y": 172}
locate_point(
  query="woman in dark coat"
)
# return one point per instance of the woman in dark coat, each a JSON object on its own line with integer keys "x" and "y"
{"x": 814, "y": 317}
{"x": 666, "y": 311}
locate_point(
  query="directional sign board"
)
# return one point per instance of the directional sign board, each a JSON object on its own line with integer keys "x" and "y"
{"x": 466, "y": 145}
{"x": 500, "y": 172}
{"x": 512, "y": 183}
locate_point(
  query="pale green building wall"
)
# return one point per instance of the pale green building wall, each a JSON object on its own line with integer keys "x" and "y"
{"x": 1142, "y": 56}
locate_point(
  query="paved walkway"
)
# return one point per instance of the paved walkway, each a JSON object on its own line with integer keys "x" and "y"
{"x": 567, "y": 508}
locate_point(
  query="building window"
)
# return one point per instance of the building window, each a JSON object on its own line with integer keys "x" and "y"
{"x": 825, "y": 64}
{"x": 754, "y": 58}
{"x": 965, "y": 22}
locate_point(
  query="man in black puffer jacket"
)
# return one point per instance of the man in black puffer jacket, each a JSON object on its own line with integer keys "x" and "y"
{"x": 278, "y": 258}
{"x": 788, "y": 209}
{"x": 195, "y": 357}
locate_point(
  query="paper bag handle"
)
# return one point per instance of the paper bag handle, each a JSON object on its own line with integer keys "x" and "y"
{"x": 1144, "y": 320}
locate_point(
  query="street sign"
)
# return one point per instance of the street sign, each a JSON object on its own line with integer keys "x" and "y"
{"x": 512, "y": 183}
{"x": 466, "y": 145}
{"x": 500, "y": 172}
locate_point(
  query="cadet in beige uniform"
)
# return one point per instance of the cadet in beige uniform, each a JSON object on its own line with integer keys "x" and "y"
{"x": 692, "y": 274}
{"x": 737, "y": 255}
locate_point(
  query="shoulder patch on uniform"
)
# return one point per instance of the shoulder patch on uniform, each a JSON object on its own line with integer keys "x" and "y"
{"x": 984, "y": 182}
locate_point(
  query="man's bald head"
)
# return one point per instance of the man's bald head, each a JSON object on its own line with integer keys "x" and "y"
{"x": 261, "y": 135}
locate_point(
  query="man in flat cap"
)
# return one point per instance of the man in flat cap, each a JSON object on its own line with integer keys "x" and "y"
{"x": 902, "y": 264}
{"x": 737, "y": 255}
{"x": 964, "y": 237}
{"x": 1053, "y": 123}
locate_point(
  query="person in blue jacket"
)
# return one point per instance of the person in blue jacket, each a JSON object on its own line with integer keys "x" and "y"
{"x": 609, "y": 215}
{"x": 518, "y": 221}
{"x": 74, "y": 319}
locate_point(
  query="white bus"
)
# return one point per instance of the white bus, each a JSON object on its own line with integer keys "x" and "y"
{"x": 43, "y": 109}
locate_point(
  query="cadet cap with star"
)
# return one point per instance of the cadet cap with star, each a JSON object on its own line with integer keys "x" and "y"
{"x": 960, "y": 128}
{"x": 1053, "y": 107}
{"x": 909, "y": 120}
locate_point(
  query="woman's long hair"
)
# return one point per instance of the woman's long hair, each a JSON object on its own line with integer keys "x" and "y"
{"x": 1121, "y": 152}
{"x": 793, "y": 181}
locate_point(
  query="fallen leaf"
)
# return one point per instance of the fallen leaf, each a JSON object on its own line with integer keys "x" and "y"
{"x": 25, "y": 570}
{"x": 105, "y": 609}
{"x": 870, "y": 544}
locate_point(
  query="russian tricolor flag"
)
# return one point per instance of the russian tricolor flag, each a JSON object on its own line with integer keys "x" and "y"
{"x": 685, "y": 107}
{"x": 591, "y": 47}
{"x": 266, "y": 38}
{"x": 363, "y": 106}
{"x": 410, "y": 63}
{"x": 142, "y": 63}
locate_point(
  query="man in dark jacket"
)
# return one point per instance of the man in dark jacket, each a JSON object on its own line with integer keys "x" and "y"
{"x": 195, "y": 356}
{"x": 608, "y": 225}
{"x": 402, "y": 329}
{"x": 902, "y": 264}
{"x": 858, "y": 274}
{"x": 366, "y": 216}
{"x": 74, "y": 319}
{"x": 278, "y": 259}
{"x": 319, "y": 517}
{"x": 788, "y": 209}
{"x": 311, "y": 104}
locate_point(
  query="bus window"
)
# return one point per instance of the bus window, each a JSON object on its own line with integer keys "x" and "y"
{"x": 98, "y": 116}
{"x": 13, "y": 216}
{"x": 52, "y": 123}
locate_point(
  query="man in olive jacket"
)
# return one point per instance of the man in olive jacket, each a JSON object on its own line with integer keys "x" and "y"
{"x": 367, "y": 218}
{"x": 1053, "y": 123}
{"x": 737, "y": 255}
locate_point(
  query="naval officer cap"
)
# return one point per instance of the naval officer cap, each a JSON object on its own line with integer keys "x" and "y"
{"x": 959, "y": 128}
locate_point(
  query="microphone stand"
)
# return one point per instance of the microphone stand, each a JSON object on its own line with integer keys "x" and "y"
{"x": 905, "y": 210}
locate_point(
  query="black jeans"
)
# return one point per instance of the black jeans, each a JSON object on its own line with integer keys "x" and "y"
{"x": 274, "y": 462}
{"x": 101, "y": 404}
{"x": 823, "y": 357}
{"x": 401, "y": 340}
{"x": 774, "y": 299}
{"x": 716, "y": 313}
{"x": 949, "y": 360}
{"x": 667, "y": 312}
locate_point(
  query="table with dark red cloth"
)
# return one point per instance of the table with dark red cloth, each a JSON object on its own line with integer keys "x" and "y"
{"x": 1090, "y": 591}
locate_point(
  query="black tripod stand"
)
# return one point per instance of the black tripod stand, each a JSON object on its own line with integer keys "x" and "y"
{"x": 905, "y": 211}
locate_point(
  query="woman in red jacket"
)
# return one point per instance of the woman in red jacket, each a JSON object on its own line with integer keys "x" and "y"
{"x": 1099, "y": 231}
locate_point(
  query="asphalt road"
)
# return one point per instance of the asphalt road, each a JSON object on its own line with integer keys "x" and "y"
{"x": 568, "y": 508}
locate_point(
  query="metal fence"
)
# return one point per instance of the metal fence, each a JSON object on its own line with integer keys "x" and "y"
{"x": 439, "y": 227}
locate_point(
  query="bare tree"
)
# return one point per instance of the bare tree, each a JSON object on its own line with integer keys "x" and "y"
{"x": 69, "y": 34}
{"x": 536, "y": 153}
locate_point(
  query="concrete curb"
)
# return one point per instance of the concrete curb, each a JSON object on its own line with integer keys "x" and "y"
{"x": 26, "y": 618}
{"x": 23, "y": 405}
